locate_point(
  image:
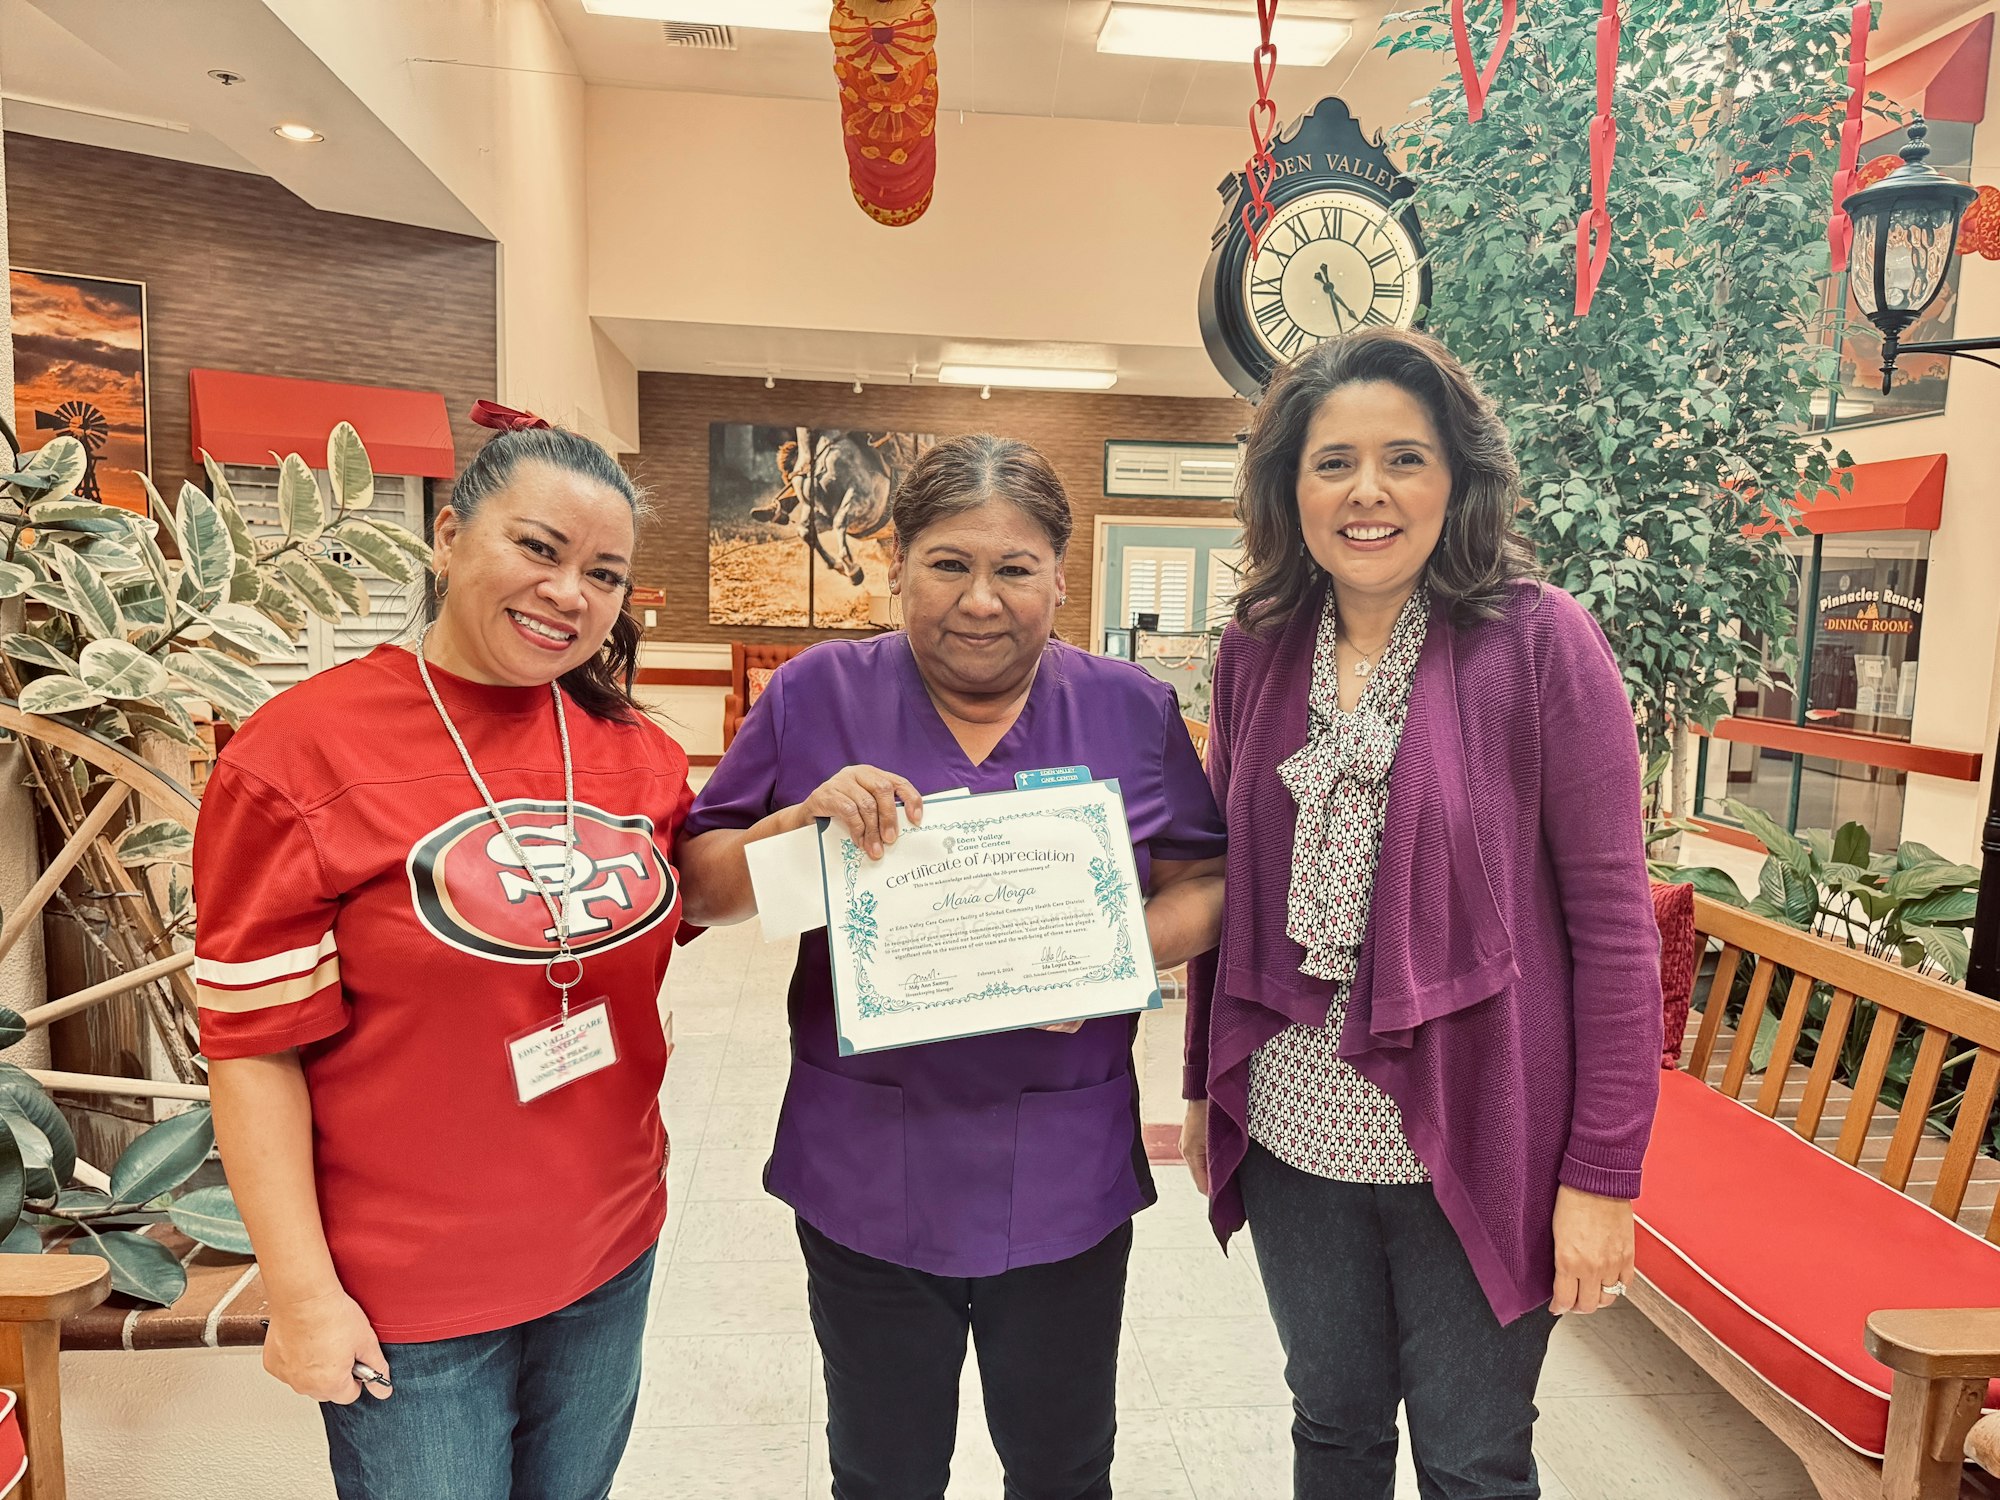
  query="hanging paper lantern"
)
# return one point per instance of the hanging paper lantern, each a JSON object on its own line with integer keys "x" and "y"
{"x": 885, "y": 61}
{"x": 1979, "y": 231}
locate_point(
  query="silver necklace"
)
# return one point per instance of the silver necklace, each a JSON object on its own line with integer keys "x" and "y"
{"x": 558, "y": 905}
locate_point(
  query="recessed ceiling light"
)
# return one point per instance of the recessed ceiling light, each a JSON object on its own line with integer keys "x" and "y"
{"x": 299, "y": 133}
{"x": 1028, "y": 377}
{"x": 1207, "y": 35}
{"x": 753, "y": 15}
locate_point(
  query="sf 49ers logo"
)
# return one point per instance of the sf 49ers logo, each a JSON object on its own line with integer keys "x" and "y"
{"x": 473, "y": 891}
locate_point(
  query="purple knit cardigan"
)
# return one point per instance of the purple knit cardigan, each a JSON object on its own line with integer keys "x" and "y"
{"x": 1507, "y": 995}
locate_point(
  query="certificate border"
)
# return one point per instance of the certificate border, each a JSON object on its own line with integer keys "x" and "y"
{"x": 1110, "y": 871}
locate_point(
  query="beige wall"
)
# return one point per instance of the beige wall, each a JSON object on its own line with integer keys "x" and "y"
{"x": 713, "y": 209}
{"x": 1958, "y": 686}
{"x": 487, "y": 96}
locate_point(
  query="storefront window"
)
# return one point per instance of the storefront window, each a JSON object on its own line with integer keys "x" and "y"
{"x": 1862, "y": 638}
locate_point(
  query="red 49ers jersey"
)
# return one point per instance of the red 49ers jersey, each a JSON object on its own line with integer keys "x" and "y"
{"x": 356, "y": 901}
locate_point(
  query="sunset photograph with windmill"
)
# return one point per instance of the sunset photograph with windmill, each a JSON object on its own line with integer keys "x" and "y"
{"x": 80, "y": 371}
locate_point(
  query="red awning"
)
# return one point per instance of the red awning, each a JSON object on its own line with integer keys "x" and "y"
{"x": 244, "y": 419}
{"x": 1896, "y": 494}
{"x": 1945, "y": 80}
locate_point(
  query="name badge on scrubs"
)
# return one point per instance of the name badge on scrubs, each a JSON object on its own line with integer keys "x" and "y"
{"x": 559, "y": 1052}
{"x": 1028, "y": 781}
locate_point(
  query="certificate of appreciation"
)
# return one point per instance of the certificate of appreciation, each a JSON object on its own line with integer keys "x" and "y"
{"x": 999, "y": 911}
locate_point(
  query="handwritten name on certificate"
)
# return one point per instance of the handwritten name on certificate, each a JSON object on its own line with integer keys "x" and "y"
{"x": 999, "y": 911}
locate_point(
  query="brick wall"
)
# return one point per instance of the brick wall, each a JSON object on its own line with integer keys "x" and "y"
{"x": 1071, "y": 429}
{"x": 242, "y": 275}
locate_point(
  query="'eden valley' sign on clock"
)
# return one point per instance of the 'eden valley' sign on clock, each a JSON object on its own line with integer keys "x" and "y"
{"x": 1343, "y": 251}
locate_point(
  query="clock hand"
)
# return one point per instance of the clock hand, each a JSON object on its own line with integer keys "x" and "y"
{"x": 1325, "y": 279}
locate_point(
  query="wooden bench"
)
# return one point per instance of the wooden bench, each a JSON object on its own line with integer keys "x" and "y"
{"x": 37, "y": 1292}
{"x": 1783, "y": 1243}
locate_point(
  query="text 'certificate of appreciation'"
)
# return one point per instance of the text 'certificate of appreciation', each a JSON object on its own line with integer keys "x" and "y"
{"x": 999, "y": 911}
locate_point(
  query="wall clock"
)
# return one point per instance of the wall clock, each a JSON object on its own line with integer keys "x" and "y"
{"x": 1343, "y": 251}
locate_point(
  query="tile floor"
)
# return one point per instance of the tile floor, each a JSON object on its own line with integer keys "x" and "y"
{"x": 733, "y": 1407}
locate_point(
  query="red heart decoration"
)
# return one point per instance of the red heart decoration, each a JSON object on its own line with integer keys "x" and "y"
{"x": 1478, "y": 80}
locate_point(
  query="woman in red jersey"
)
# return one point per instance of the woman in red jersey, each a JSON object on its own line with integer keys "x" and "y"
{"x": 436, "y": 910}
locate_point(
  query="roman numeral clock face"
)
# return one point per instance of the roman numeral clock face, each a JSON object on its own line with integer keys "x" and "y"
{"x": 1330, "y": 262}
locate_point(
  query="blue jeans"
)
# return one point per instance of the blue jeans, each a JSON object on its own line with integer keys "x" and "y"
{"x": 539, "y": 1411}
{"x": 1377, "y": 1304}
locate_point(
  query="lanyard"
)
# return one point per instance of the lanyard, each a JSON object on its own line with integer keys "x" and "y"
{"x": 558, "y": 905}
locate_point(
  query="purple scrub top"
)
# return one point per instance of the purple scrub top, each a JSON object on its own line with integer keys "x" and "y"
{"x": 969, "y": 1157}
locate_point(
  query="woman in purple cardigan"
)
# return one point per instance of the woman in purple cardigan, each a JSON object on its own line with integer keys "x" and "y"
{"x": 1422, "y": 1063}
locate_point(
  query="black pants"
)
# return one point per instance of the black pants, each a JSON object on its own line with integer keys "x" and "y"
{"x": 893, "y": 1341}
{"x": 1375, "y": 1302}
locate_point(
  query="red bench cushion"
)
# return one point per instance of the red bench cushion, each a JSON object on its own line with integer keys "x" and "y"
{"x": 1782, "y": 1252}
{"x": 13, "y": 1452}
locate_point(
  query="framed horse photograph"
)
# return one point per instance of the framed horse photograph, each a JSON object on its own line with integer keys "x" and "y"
{"x": 798, "y": 522}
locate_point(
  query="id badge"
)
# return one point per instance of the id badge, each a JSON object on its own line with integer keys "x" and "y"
{"x": 558, "y": 1052}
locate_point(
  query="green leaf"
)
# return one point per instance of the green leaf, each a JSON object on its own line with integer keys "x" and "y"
{"x": 87, "y": 516}
{"x": 1765, "y": 1043}
{"x": 275, "y": 602}
{"x": 300, "y": 508}
{"x": 15, "y": 580}
{"x": 13, "y": 1183}
{"x": 1766, "y": 831}
{"x": 58, "y": 695}
{"x": 140, "y": 1267}
{"x": 90, "y": 598}
{"x": 61, "y": 461}
{"x": 162, "y": 841}
{"x": 209, "y": 1216}
{"x": 166, "y": 717}
{"x": 250, "y": 632}
{"x": 1850, "y": 845}
{"x": 163, "y": 1157}
{"x": 415, "y": 546}
{"x": 1820, "y": 842}
{"x": 205, "y": 544}
{"x": 1925, "y": 880}
{"x": 348, "y": 469}
{"x": 1717, "y": 885}
{"x": 12, "y": 1027}
{"x": 38, "y": 652}
{"x": 233, "y": 687}
{"x": 1944, "y": 907}
{"x": 344, "y": 584}
{"x": 37, "y": 1152}
{"x": 82, "y": 1200}
{"x": 27, "y": 1096}
{"x": 22, "y": 1239}
{"x": 366, "y": 541}
{"x": 307, "y": 584}
{"x": 1946, "y": 947}
{"x": 119, "y": 670}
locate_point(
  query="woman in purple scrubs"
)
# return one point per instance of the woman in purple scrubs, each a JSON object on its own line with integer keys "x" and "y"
{"x": 986, "y": 1184}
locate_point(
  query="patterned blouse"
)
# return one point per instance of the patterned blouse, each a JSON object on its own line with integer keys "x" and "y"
{"x": 1308, "y": 1107}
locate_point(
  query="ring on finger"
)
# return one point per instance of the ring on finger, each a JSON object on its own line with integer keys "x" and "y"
{"x": 1614, "y": 1289}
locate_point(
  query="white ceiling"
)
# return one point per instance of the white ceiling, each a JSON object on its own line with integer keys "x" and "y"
{"x": 1018, "y": 57}
{"x": 894, "y": 359}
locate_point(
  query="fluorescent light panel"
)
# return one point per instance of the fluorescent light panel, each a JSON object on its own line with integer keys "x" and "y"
{"x": 1218, "y": 35}
{"x": 750, "y": 15}
{"x": 1028, "y": 377}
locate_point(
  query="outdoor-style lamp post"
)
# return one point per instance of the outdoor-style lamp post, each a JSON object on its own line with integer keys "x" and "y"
{"x": 1905, "y": 232}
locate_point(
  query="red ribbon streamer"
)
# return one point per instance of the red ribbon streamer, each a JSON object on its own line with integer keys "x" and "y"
{"x": 503, "y": 418}
{"x": 1478, "y": 80}
{"x": 1593, "y": 227}
{"x": 1262, "y": 167}
{"x": 1840, "y": 228}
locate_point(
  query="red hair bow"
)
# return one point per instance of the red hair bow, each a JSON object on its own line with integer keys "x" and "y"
{"x": 504, "y": 418}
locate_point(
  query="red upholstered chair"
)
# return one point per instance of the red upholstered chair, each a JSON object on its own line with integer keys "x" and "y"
{"x": 750, "y": 668}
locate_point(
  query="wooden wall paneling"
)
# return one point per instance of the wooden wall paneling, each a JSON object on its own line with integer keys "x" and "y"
{"x": 1070, "y": 428}
{"x": 242, "y": 275}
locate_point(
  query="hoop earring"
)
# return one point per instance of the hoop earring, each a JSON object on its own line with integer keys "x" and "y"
{"x": 438, "y": 588}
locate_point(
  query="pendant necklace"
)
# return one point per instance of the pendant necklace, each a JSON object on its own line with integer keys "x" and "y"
{"x": 558, "y": 904}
